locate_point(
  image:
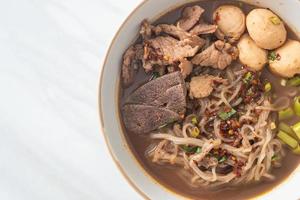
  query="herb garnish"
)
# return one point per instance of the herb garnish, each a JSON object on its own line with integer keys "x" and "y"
{"x": 226, "y": 115}
{"x": 189, "y": 149}
{"x": 154, "y": 75}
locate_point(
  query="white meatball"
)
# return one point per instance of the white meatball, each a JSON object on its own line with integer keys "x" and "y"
{"x": 266, "y": 29}
{"x": 250, "y": 54}
{"x": 230, "y": 21}
{"x": 287, "y": 61}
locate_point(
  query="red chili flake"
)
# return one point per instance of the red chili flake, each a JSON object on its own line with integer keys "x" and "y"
{"x": 217, "y": 18}
{"x": 227, "y": 109}
{"x": 237, "y": 169}
{"x": 278, "y": 57}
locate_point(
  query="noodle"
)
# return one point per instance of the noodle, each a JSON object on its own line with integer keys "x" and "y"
{"x": 248, "y": 154}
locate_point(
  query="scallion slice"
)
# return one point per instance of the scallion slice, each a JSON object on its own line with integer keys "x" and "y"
{"x": 297, "y": 105}
{"x": 227, "y": 115}
{"x": 194, "y": 120}
{"x": 287, "y": 129}
{"x": 189, "y": 149}
{"x": 286, "y": 113}
{"x": 297, "y": 150}
{"x": 195, "y": 132}
{"x": 285, "y": 138}
{"x": 295, "y": 81}
{"x": 296, "y": 129}
{"x": 268, "y": 87}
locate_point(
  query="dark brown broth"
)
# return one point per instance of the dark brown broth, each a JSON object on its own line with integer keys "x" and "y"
{"x": 169, "y": 176}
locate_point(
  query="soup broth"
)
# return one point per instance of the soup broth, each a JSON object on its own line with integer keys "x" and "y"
{"x": 172, "y": 176}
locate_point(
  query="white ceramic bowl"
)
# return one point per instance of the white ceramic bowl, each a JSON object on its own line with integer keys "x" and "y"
{"x": 289, "y": 10}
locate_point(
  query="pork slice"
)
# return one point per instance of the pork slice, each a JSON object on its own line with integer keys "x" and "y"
{"x": 203, "y": 28}
{"x": 189, "y": 17}
{"x": 130, "y": 65}
{"x": 180, "y": 34}
{"x": 171, "y": 30}
{"x": 165, "y": 50}
{"x": 142, "y": 119}
{"x": 146, "y": 29}
{"x": 219, "y": 55}
{"x": 186, "y": 67}
{"x": 167, "y": 92}
{"x": 202, "y": 86}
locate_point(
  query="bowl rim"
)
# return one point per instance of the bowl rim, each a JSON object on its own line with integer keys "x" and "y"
{"x": 101, "y": 116}
{"x": 99, "y": 102}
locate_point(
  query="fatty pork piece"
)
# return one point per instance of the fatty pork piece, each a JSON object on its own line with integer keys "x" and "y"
{"x": 166, "y": 50}
{"x": 219, "y": 55}
{"x": 160, "y": 101}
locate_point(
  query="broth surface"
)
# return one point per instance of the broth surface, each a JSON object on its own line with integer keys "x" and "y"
{"x": 170, "y": 176}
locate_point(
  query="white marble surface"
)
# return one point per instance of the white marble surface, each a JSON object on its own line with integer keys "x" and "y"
{"x": 51, "y": 146}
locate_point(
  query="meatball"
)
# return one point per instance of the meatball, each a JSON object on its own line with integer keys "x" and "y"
{"x": 286, "y": 61}
{"x": 251, "y": 55}
{"x": 230, "y": 21}
{"x": 266, "y": 29}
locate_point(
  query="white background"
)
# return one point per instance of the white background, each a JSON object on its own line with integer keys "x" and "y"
{"x": 51, "y": 146}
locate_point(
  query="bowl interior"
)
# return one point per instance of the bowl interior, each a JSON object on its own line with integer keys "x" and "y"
{"x": 288, "y": 10}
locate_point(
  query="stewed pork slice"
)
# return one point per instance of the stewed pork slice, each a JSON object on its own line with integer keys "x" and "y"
{"x": 131, "y": 62}
{"x": 146, "y": 29}
{"x": 182, "y": 35}
{"x": 186, "y": 67}
{"x": 203, "y": 85}
{"x": 203, "y": 28}
{"x": 219, "y": 55}
{"x": 165, "y": 50}
{"x": 190, "y": 16}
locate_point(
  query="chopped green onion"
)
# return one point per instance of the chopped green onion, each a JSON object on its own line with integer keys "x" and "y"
{"x": 222, "y": 159}
{"x": 297, "y": 105}
{"x": 163, "y": 126}
{"x": 275, "y": 20}
{"x": 268, "y": 87}
{"x": 286, "y": 113}
{"x": 287, "y": 129}
{"x": 285, "y": 138}
{"x": 273, "y": 126}
{"x": 154, "y": 75}
{"x": 296, "y": 129}
{"x": 198, "y": 150}
{"x": 274, "y": 158}
{"x": 227, "y": 115}
{"x": 194, "y": 132}
{"x": 283, "y": 82}
{"x": 194, "y": 120}
{"x": 248, "y": 77}
{"x": 295, "y": 81}
{"x": 170, "y": 121}
{"x": 189, "y": 149}
{"x": 297, "y": 150}
{"x": 272, "y": 56}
